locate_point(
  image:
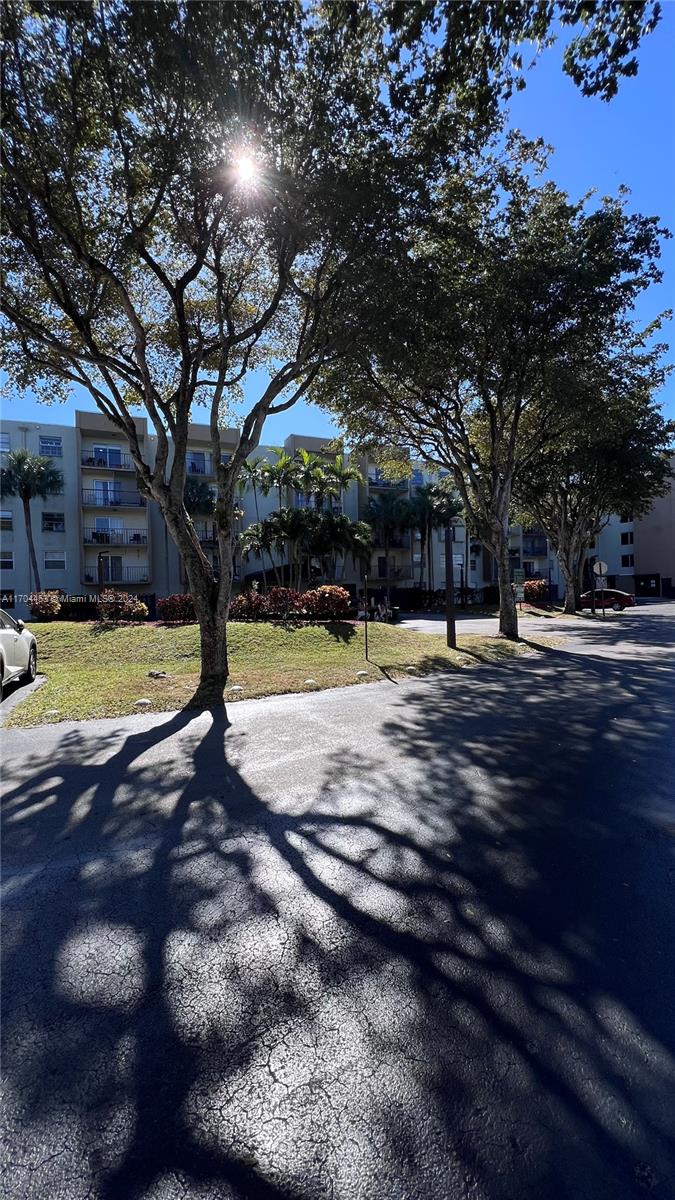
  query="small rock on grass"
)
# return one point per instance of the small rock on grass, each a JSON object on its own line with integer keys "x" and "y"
{"x": 236, "y": 688}
{"x": 411, "y": 670}
{"x": 142, "y": 703}
{"x": 311, "y": 683}
{"x": 362, "y": 674}
{"x": 158, "y": 674}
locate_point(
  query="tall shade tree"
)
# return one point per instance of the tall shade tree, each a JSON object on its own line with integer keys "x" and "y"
{"x": 512, "y": 292}
{"x": 190, "y": 191}
{"x": 30, "y": 476}
{"x": 614, "y": 457}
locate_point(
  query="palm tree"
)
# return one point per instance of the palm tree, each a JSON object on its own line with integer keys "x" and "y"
{"x": 360, "y": 544}
{"x": 258, "y": 540}
{"x": 310, "y": 479}
{"x": 432, "y": 506}
{"x": 342, "y": 474}
{"x": 252, "y": 475}
{"x": 280, "y": 474}
{"x": 28, "y": 476}
{"x": 388, "y": 515}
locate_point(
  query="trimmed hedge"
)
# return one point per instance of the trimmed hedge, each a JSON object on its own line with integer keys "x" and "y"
{"x": 44, "y": 606}
{"x": 324, "y": 603}
{"x": 536, "y": 591}
{"x": 176, "y": 609}
{"x": 120, "y": 606}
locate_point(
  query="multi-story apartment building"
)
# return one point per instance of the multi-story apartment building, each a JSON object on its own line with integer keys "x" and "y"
{"x": 99, "y": 530}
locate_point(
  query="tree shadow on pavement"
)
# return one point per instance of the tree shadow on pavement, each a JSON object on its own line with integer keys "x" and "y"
{"x": 441, "y": 968}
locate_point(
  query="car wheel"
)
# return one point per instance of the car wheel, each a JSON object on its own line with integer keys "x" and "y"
{"x": 616, "y": 606}
{"x": 30, "y": 674}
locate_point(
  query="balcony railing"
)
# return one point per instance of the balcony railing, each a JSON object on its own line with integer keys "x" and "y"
{"x": 400, "y": 542}
{"x": 378, "y": 481}
{"x": 110, "y": 460}
{"x": 96, "y": 498}
{"x": 207, "y": 534}
{"x": 115, "y": 537}
{"x": 116, "y": 574}
{"x": 199, "y": 464}
{"x": 535, "y": 547}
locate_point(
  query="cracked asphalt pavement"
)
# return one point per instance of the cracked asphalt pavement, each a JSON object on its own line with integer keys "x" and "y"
{"x": 394, "y": 942}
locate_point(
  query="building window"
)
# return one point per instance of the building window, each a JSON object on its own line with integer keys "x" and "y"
{"x": 6, "y": 560}
{"x": 55, "y": 560}
{"x": 6, "y": 520}
{"x": 53, "y": 522}
{"x": 626, "y": 518}
{"x": 627, "y": 538}
{"x": 50, "y": 446}
{"x": 627, "y": 560}
{"x": 7, "y": 598}
{"x": 472, "y": 564}
{"x": 4, "y": 443}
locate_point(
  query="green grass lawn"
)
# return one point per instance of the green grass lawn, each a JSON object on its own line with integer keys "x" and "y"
{"x": 96, "y": 670}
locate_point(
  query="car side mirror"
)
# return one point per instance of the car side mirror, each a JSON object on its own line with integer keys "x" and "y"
{"x": 20, "y": 625}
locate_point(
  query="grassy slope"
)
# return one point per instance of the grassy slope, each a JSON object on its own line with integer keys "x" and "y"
{"x": 99, "y": 671}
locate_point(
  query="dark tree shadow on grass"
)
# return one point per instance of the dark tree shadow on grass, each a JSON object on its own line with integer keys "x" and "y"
{"x": 435, "y": 975}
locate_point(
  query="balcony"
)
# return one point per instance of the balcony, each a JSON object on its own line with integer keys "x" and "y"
{"x": 198, "y": 463}
{"x": 108, "y": 460}
{"x": 115, "y": 537}
{"x": 112, "y": 573}
{"x": 535, "y": 547}
{"x": 207, "y": 534}
{"x": 392, "y": 573}
{"x": 378, "y": 481}
{"x": 400, "y": 542}
{"x": 98, "y": 498}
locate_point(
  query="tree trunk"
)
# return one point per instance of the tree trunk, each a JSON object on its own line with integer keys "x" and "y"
{"x": 211, "y": 599}
{"x": 29, "y": 538}
{"x": 214, "y": 662}
{"x": 508, "y": 614}
{"x": 569, "y": 576}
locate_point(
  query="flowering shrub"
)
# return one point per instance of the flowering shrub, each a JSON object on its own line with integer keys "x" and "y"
{"x": 249, "y": 606}
{"x": 175, "y": 609}
{"x": 120, "y": 606}
{"x": 284, "y": 602}
{"x": 46, "y": 606}
{"x": 323, "y": 603}
{"x": 327, "y": 602}
{"x": 536, "y": 591}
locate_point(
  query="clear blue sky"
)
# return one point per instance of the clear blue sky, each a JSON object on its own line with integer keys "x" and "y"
{"x": 597, "y": 145}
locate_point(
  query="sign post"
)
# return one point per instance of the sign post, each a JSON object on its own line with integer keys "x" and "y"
{"x": 365, "y": 606}
{"x": 519, "y": 585}
{"x": 600, "y": 572}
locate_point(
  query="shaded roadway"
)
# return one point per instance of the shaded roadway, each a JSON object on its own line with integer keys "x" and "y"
{"x": 395, "y": 941}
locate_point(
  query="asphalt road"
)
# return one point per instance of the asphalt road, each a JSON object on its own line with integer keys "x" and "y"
{"x": 396, "y": 942}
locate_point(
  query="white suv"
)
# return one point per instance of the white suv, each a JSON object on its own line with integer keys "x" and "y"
{"x": 18, "y": 651}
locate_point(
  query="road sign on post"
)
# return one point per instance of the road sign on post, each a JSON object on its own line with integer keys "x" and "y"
{"x": 600, "y": 572}
{"x": 519, "y": 575}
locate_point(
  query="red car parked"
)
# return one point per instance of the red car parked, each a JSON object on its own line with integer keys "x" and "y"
{"x": 613, "y": 599}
